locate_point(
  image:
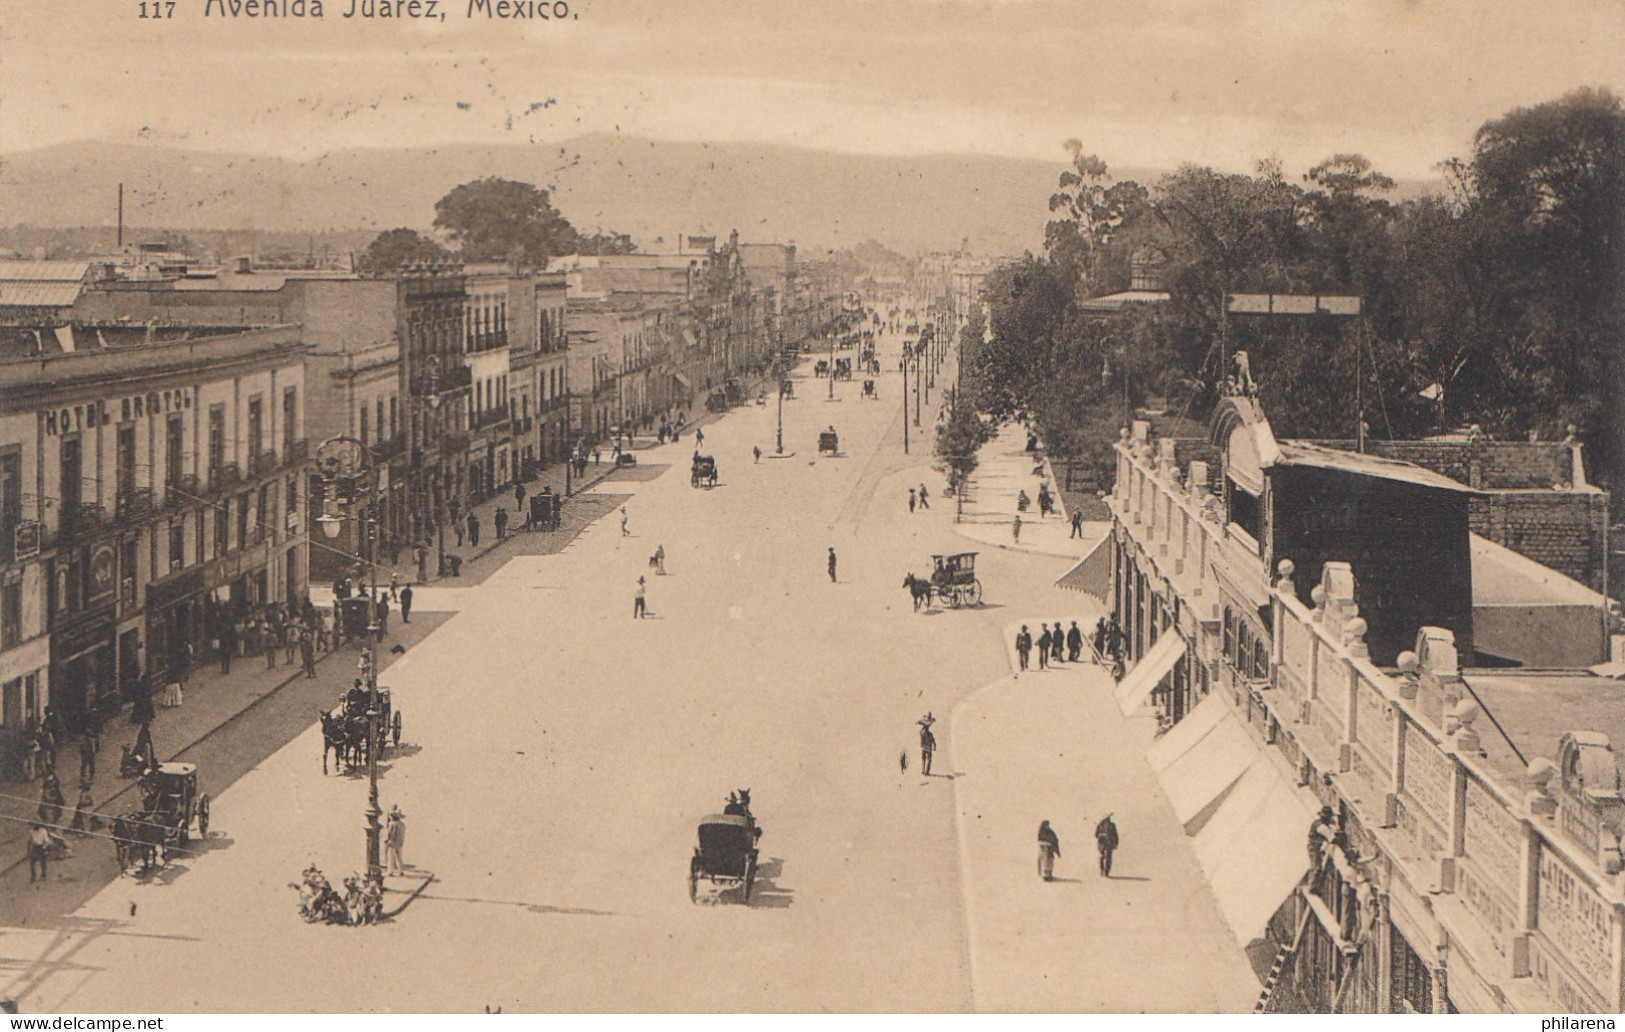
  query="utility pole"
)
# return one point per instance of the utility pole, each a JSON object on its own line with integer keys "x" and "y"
{"x": 905, "y": 399}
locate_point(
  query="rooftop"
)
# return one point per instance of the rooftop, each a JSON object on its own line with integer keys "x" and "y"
{"x": 1537, "y": 709}
{"x": 1502, "y": 577}
{"x": 1302, "y": 453}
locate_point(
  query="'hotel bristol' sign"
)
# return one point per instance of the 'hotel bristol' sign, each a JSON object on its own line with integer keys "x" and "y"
{"x": 100, "y": 413}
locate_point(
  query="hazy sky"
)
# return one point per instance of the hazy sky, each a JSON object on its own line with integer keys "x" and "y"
{"x": 1141, "y": 82}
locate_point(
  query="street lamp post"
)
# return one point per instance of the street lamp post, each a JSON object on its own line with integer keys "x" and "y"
{"x": 905, "y": 398}
{"x": 345, "y": 459}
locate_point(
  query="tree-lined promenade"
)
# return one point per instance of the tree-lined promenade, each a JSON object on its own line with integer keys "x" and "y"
{"x": 1497, "y": 303}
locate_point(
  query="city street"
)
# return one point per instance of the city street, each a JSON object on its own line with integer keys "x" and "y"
{"x": 561, "y": 753}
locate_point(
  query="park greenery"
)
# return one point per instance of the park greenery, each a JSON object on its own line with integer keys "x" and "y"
{"x": 491, "y": 220}
{"x": 1498, "y": 301}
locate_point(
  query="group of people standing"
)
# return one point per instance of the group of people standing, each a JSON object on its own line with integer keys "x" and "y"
{"x": 1055, "y": 646}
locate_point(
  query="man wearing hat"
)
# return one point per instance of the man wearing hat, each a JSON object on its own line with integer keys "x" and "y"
{"x": 395, "y": 839}
{"x": 639, "y": 606}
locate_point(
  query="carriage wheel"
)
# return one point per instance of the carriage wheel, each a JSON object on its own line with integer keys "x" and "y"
{"x": 693, "y": 885}
{"x": 203, "y": 816}
{"x": 750, "y": 876}
{"x": 955, "y": 596}
{"x": 182, "y": 834}
{"x": 974, "y": 593}
{"x": 395, "y": 728}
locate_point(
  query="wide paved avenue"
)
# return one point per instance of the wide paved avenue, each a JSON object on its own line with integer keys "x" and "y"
{"x": 563, "y": 752}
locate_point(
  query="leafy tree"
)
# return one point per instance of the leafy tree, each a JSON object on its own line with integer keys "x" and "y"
{"x": 395, "y": 248}
{"x": 495, "y": 219}
{"x": 609, "y": 242}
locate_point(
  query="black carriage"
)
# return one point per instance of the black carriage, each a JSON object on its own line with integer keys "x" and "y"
{"x": 828, "y": 442}
{"x": 869, "y": 389}
{"x": 703, "y": 472}
{"x": 171, "y": 800}
{"x": 953, "y": 579}
{"x": 625, "y": 459}
{"x": 726, "y": 854}
{"x": 787, "y": 387}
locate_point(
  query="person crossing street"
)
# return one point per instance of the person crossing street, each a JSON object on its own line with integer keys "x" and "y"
{"x": 639, "y": 604}
{"x": 1049, "y": 848}
{"x": 1106, "y": 842}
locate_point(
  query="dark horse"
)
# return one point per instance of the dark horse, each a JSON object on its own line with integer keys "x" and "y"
{"x": 345, "y": 737}
{"x": 920, "y": 588}
{"x": 138, "y": 837}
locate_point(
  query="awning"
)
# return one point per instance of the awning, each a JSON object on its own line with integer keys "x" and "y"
{"x": 682, "y": 381}
{"x": 1200, "y": 759}
{"x": 1137, "y": 685}
{"x": 1093, "y": 574}
{"x": 1252, "y": 849}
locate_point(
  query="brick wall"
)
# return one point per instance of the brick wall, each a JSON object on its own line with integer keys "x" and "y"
{"x": 1488, "y": 465}
{"x": 1564, "y": 530}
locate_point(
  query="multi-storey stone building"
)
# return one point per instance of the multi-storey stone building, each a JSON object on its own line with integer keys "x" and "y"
{"x": 149, "y": 480}
{"x": 1323, "y": 627}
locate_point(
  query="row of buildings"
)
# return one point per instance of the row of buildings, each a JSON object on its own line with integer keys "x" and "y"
{"x": 1391, "y": 709}
{"x": 158, "y": 424}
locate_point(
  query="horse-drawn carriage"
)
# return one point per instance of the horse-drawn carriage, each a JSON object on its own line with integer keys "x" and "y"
{"x": 869, "y": 390}
{"x": 787, "y": 387}
{"x": 828, "y": 442}
{"x": 170, "y": 803}
{"x": 726, "y": 854}
{"x": 953, "y": 582}
{"x": 821, "y": 367}
{"x": 704, "y": 471}
{"x": 843, "y": 369}
{"x": 345, "y": 727}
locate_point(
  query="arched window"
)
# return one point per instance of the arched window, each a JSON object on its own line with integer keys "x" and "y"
{"x": 1261, "y": 660}
{"x": 1244, "y": 646}
{"x": 1229, "y": 634}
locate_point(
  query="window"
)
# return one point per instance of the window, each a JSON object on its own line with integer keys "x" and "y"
{"x": 365, "y": 412}
{"x": 1229, "y": 634}
{"x": 290, "y": 419}
{"x": 222, "y": 529}
{"x": 256, "y": 427}
{"x": 262, "y": 514}
{"x": 126, "y": 462}
{"x": 1261, "y": 659}
{"x": 242, "y": 520}
{"x": 380, "y": 424}
{"x": 291, "y": 493}
{"x": 71, "y": 477}
{"x": 394, "y": 427}
{"x": 217, "y": 438}
{"x": 174, "y": 449}
{"x": 177, "y": 544}
{"x": 1244, "y": 647}
{"x": 11, "y": 613}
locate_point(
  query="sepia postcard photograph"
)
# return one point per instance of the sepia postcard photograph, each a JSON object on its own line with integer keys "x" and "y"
{"x": 1148, "y": 546}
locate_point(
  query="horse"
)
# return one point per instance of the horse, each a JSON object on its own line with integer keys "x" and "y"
{"x": 138, "y": 836}
{"x": 345, "y": 737}
{"x": 920, "y": 588}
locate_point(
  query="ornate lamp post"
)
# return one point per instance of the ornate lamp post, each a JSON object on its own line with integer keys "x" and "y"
{"x": 345, "y": 461}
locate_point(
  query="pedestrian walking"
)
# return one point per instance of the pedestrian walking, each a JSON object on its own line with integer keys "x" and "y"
{"x": 1057, "y": 644}
{"x": 925, "y": 497}
{"x": 307, "y": 651}
{"x": 1077, "y": 523}
{"x": 87, "y": 757}
{"x": 699, "y": 436}
{"x": 832, "y": 565}
{"x": 660, "y": 560}
{"x": 597, "y": 455}
{"x": 1049, "y": 848}
{"x": 39, "y": 840}
{"x": 1043, "y": 648}
{"x": 1074, "y": 643}
{"x": 228, "y": 644}
{"x": 51, "y": 800}
{"x": 1106, "y": 842}
{"x": 473, "y": 530}
{"x": 640, "y": 607}
{"x": 912, "y": 501}
{"x": 1024, "y": 645}
{"x": 406, "y": 604}
{"x": 395, "y": 586}
{"x": 84, "y": 810}
{"x": 1100, "y": 639}
{"x": 518, "y": 497}
{"x": 624, "y": 531}
{"x": 1016, "y": 528}
{"x": 501, "y": 521}
{"x": 457, "y": 528}
{"x": 272, "y": 638}
{"x": 395, "y": 840}
{"x": 757, "y": 451}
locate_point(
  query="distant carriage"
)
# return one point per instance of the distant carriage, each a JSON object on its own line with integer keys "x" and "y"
{"x": 170, "y": 805}
{"x": 821, "y": 367}
{"x": 828, "y": 442}
{"x": 869, "y": 389}
{"x": 345, "y": 728}
{"x": 703, "y": 472}
{"x": 726, "y": 854}
{"x": 953, "y": 582}
{"x": 787, "y": 387}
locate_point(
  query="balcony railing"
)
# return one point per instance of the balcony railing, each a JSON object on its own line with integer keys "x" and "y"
{"x": 224, "y": 476}
{"x": 262, "y": 464}
{"x": 135, "y": 503}
{"x": 181, "y": 491}
{"x": 489, "y": 417}
{"x": 83, "y": 520}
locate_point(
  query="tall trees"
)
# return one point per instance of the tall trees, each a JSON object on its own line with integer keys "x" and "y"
{"x": 394, "y": 248}
{"x": 499, "y": 219}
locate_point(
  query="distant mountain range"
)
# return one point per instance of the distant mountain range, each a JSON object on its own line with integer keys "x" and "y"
{"x": 652, "y": 190}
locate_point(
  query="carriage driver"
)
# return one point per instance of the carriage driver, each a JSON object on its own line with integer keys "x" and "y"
{"x": 356, "y": 700}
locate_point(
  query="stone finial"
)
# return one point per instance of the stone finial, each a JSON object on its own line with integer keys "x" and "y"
{"x": 1283, "y": 576}
{"x": 1439, "y": 667}
{"x": 1409, "y": 681}
{"x": 1458, "y": 721}
{"x": 1337, "y": 597}
{"x": 1317, "y": 595}
{"x": 1122, "y": 433}
{"x": 1541, "y": 773}
{"x": 1354, "y": 637}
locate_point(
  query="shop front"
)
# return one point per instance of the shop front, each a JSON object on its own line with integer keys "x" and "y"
{"x": 83, "y": 674}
